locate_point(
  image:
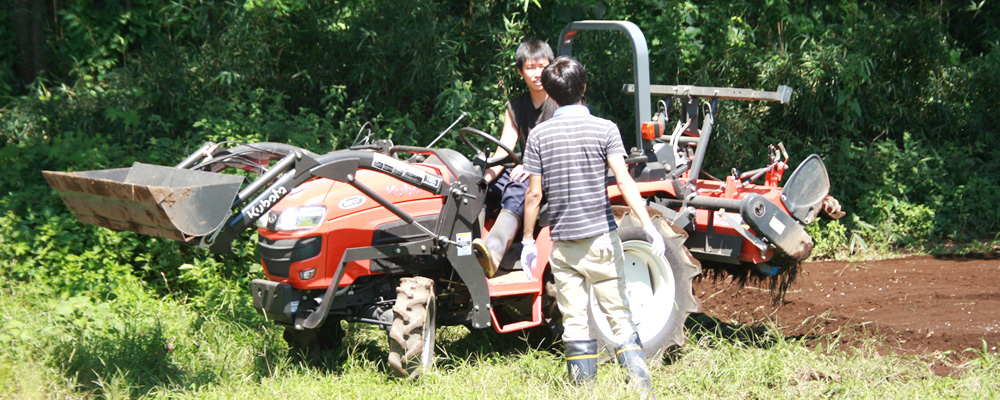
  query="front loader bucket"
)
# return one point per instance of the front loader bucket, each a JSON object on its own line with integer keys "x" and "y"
{"x": 167, "y": 202}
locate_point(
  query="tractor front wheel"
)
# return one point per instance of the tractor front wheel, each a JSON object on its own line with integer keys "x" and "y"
{"x": 414, "y": 326}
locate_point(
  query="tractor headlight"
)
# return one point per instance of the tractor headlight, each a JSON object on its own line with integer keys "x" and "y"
{"x": 307, "y": 274}
{"x": 300, "y": 218}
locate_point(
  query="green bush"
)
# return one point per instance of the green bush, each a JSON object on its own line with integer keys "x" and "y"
{"x": 899, "y": 98}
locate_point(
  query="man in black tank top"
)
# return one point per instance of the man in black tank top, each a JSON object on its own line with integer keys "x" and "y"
{"x": 509, "y": 184}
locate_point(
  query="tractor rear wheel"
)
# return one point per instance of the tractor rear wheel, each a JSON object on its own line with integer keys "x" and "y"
{"x": 658, "y": 289}
{"x": 414, "y": 326}
{"x": 310, "y": 344}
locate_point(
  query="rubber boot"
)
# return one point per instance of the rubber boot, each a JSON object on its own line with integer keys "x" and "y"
{"x": 581, "y": 360}
{"x": 490, "y": 252}
{"x": 632, "y": 357}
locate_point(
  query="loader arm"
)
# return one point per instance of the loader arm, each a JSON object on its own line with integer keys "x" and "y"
{"x": 194, "y": 206}
{"x": 456, "y": 220}
{"x": 298, "y": 168}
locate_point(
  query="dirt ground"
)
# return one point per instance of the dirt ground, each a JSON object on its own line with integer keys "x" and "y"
{"x": 924, "y": 306}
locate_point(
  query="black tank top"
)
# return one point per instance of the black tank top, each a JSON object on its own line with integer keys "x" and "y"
{"x": 526, "y": 116}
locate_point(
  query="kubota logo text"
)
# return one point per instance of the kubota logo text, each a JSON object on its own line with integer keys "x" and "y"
{"x": 402, "y": 190}
{"x": 257, "y": 209}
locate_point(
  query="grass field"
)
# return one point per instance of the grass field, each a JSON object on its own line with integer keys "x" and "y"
{"x": 136, "y": 346}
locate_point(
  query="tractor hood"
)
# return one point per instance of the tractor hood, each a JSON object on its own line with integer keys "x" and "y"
{"x": 342, "y": 199}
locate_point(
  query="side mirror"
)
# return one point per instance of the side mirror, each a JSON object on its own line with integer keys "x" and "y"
{"x": 804, "y": 193}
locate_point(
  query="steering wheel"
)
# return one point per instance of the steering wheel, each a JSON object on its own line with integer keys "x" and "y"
{"x": 498, "y": 160}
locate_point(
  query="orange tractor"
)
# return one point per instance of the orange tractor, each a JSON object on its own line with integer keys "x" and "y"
{"x": 381, "y": 233}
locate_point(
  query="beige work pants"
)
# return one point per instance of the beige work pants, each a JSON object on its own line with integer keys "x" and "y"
{"x": 594, "y": 262}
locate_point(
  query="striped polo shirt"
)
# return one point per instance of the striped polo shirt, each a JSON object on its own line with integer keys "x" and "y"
{"x": 570, "y": 152}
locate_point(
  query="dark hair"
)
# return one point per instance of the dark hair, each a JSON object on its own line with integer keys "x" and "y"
{"x": 565, "y": 80}
{"x": 532, "y": 50}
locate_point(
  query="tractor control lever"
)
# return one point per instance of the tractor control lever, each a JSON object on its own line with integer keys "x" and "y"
{"x": 437, "y": 238}
{"x": 463, "y": 115}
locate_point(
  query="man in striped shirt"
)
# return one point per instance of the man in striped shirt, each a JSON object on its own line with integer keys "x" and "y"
{"x": 567, "y": 158}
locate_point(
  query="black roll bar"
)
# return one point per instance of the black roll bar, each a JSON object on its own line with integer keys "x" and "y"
{"x": 640, "y": 63}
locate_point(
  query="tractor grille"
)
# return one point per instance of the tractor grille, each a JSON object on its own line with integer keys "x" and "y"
{"x": 400, "y": 231}
{"x": 278, "y": 255}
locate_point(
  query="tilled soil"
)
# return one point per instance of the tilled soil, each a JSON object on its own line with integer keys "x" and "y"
{"x": 924, "y": 306}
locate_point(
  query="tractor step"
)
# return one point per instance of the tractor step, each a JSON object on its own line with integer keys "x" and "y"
{"x": 167, "y": 202}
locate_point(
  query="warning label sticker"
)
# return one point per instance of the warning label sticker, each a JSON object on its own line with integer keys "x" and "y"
{"x": 464, "y": 241}
{"x": 777, "y": 225}
{"x": 406, "y": 173}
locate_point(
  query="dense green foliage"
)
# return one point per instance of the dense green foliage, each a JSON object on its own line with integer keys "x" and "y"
{"x": 900, "y": 99}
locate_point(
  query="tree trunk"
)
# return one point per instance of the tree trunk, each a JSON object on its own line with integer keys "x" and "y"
{"x": 29, "y": 31}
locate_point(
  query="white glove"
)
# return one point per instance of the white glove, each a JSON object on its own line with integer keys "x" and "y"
{"x": 529, "y": 254}
{"x": 655, "y": 240}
